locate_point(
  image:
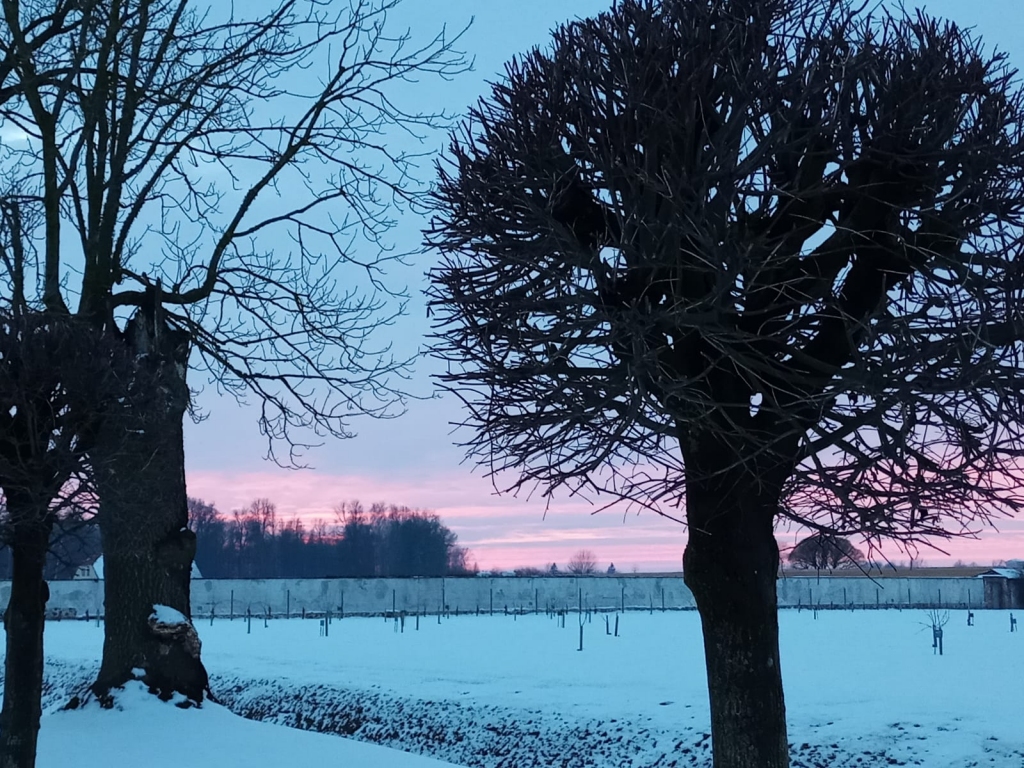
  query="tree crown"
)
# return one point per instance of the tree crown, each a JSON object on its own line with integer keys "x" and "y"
{"x": 782, "y": 237}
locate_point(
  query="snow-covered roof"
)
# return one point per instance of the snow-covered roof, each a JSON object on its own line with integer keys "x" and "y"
{"x": 1005, "y": 573}
{"x": 98, "y": 568}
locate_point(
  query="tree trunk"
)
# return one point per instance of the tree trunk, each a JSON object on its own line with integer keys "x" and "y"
{"x": 730, "y": 565}
{"x": 24, "y": 620}
{"x": 147, "y": 546}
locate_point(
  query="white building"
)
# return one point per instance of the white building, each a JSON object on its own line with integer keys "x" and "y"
{"x": 94, "y": 570}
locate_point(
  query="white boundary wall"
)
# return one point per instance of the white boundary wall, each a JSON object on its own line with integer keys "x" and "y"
{"x": 498, "y": 594}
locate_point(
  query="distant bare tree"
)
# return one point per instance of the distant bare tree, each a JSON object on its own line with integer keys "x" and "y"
{"x": 201, "y": 516}
{"x": 822, "y": 551}
{"x": 257, "y": 524}
{"x": 937, "y": 619}
{"x": 320, "y": 530}
{"x": 527, "y": 572}
{"x": 460, "y": 561}
{"x": 754, "y": 258}
{"x": 583, "y": 562}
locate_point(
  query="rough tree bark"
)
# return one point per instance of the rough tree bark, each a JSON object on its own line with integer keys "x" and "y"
{"x": 730, "y": 564}
{"x": 147, "y": 547}
{"x": 24, "y": 620}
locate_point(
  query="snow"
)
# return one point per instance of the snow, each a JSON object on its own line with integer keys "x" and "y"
{"x": 145, "y": 731}
{"x": 97, "y": 567}
{"x": 863, "y": 688}
{"x": 1006, "y": 573}
{"x": 164, "y": 614}
{"x": 755, "y": 403}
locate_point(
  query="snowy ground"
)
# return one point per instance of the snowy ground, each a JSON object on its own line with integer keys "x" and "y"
{"x": 142, "y": 731}
{"x": 862, "y": 688}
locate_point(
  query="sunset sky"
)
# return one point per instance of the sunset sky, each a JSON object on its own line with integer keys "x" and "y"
{"x": 412, "y": 460}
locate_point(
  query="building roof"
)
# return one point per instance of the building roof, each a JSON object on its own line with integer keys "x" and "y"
{"x": 1002, "y": 573}
{"x": 97, "y": 566}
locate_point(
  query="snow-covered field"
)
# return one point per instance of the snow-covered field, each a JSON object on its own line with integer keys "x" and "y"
{"x": 145, "y": 732}
{"x": 862, "y": 688}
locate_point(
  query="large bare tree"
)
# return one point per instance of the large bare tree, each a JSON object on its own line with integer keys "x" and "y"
{"x": 58, "y": 375}
{"x": 173, "y": 140}
{"x": 759, "y": 259}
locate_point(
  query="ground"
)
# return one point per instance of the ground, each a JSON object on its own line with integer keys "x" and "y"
{"x": 862, "y": 688}
{"x": 143, "y": 731}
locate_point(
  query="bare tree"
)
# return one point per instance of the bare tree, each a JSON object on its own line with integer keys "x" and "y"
{"x": 757, "y": 259}
{"x": 823, "y": 551}
{"x": 56, "y": 379}
{"x": 201, "y": 516}
{"x": 528, "y": 571}
{"x": 582, "y": 563}
{"x": 173, "y": 138}
{"x": 937, "y": 619}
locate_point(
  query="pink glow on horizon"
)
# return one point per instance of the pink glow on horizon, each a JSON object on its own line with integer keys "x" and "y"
{"x": 505, "y": 532}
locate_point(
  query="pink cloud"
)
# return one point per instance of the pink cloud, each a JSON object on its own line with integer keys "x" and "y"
{"x": 502, "y": 531}
{"x": 505, "y": 532}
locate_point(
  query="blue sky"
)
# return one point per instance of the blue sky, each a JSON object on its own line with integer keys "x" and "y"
{"x": 412, "y": 460}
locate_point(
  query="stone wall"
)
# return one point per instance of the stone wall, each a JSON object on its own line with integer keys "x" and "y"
{"x": 498, "y": 594}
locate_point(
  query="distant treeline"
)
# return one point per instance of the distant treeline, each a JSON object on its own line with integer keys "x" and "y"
{"x": 381, "y": 540}
{"x": 253, "y": 543}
